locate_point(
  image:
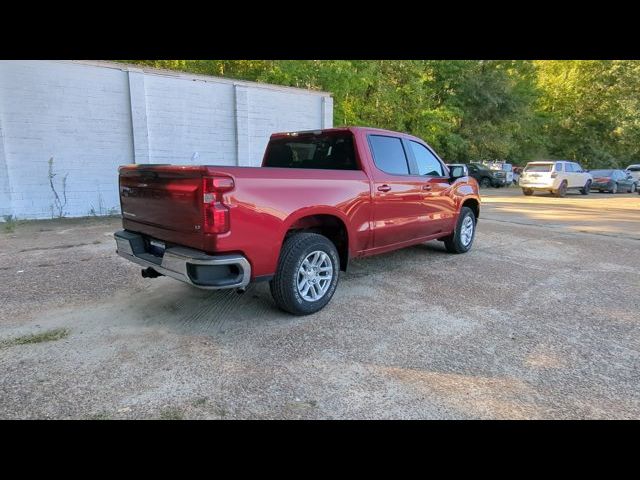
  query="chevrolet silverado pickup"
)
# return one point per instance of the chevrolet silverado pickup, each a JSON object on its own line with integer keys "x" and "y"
{"x": 320, "y": 199}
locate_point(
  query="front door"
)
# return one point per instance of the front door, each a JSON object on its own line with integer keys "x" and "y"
{"x": 437, "y": 202}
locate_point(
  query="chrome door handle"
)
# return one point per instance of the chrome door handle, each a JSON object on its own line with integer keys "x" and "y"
{"x": 384, "y": 188}
{"x": 426, "y": 187}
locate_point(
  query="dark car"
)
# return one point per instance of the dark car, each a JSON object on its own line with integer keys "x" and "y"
{"x": 613, "y": 181}
{"x": 485, "y": 177}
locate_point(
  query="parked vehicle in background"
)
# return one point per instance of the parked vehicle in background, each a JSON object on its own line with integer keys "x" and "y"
{"x": 320, "y": 199}
{"x": 556, "y": 177}
{"x": 486, "y": 178}
{"x": 504, "y": 169}
{"x": 613, "y": 181}
{"x": 634, "y": 170}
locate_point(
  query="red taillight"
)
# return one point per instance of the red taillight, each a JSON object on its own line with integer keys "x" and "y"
{"x": 216, "y": 213}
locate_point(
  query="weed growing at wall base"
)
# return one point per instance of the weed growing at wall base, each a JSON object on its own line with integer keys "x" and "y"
{"x": 58, "y": 206}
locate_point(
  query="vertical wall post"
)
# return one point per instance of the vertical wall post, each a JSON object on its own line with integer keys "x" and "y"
{"x": 6, "y": 204}
{"x": 326, "y": 112}
{"x": 243, "y": 151}
{"x": 138, "y": 100}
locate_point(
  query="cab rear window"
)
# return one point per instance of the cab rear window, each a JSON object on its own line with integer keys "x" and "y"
{"x": 328, "y": 152}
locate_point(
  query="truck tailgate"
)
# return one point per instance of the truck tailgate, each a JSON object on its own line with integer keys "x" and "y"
{"x": 162, "y": 198}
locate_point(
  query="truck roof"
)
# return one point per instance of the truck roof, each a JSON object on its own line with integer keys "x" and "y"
{"x": 319, "y": 131}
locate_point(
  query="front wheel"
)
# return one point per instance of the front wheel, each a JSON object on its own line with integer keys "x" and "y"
{"x": 307, "y": 274}
{"x": 461, "y": 240}
{"x": 485, "y": 182}
{"x": 632, "y": 188}
{"x": 586, "y": 189}
{"x": 614, "y": 188}
{"x": 527, "y": 191}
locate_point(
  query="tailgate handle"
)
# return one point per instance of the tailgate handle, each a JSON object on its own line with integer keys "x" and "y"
{"x": 426, "y": 187}
{"x": 384, "y": 188}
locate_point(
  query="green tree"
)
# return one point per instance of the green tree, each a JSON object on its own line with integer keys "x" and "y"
{"x": 468, "y": 109}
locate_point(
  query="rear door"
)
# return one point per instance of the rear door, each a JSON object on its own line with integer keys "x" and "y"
{"x": 397, "y": 195}
{"x": 538, "y": 174}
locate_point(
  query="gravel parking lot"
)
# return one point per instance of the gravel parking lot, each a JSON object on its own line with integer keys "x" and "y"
{"x": 540, "y": 320}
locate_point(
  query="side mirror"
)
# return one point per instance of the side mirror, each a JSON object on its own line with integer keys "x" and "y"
{"x": 458, "y": 171}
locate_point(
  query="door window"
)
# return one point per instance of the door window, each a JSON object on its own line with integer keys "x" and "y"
{"x": 388, "y": 154}
{"x": 427, "y": 162}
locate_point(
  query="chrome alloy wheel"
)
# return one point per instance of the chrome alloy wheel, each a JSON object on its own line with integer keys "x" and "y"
{"x": 314, "y": 276}
{"x": 466, "y": 231}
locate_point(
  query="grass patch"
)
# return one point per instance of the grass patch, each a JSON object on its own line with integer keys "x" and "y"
{"x": 9, "y": 224}
{"x": 200, "y": 402}
{"x": 48, "y": 336}
{"x": 171, "y": 413}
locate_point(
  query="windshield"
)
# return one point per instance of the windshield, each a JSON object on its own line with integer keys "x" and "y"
{"x": 328, "y": 151}
{"x": 538, "y": 167}
{"x": 601, "y": 173}
{"x": 634, "y": 168}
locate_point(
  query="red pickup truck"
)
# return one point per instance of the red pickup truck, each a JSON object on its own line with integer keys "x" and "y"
{"x": 320, "y": 199}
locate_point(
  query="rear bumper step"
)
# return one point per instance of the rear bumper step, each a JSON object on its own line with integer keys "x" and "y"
{"x": 210, "y": 272}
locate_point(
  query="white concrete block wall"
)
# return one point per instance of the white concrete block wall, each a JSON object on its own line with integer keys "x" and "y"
{"x": 92, "y": 117}
{"x": 273, "y": 111}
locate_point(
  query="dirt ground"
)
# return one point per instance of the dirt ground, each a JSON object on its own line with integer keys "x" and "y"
{"x": 540, "y": 320}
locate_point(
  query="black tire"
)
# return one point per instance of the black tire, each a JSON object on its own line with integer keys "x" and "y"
{"x": 453, "y": 242}
{"x": 614, "y": 189}
{"x": 485, "y": 182}
{"x": 632, "y": 188}
{"x": 586, "y": 189}
{"x": 562, "y": 190}
{"x": 284, "y": 287}
{"x": 527, "y": 191}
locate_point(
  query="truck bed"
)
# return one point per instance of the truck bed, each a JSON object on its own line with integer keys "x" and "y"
{"x": 165, "y": 202}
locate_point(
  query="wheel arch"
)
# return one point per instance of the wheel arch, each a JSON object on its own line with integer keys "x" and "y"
{"x": 329, "y": 222}
{"x": 474, "y": 205}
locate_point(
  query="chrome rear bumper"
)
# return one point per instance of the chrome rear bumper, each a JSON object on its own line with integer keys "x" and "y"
{"x": 210, "y": 272}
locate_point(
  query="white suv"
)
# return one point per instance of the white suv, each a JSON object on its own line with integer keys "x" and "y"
{"x": 554, "y": 176}
{"x": 634, "y": 171}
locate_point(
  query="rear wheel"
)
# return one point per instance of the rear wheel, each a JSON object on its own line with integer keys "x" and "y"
{"x": 307, "y": 274}
{"x": 485, "y": 182}
{"x": 586, "y": 189}
{"x": 527, "y": 191}
{"x": 562, "y": 190}
{"x": 461, "y": 240}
